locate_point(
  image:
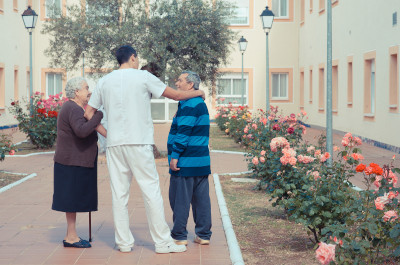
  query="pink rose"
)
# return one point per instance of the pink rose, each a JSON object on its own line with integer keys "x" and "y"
{"x": 255, "y": 161}
{"x": 390, "y": 215}
{"x": 276, "y": 127}
{"x": 262, "y": 153}
{"x": 262, "y": 159}
{"x": 325, "y": 253}
{"x": 12, "y": 152}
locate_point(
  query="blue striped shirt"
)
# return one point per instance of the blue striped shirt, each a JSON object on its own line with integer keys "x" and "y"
{"x": 188, "y": 139}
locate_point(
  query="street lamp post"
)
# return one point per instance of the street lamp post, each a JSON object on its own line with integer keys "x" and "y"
{"x": 329, "y": 125}
{"x": 29, "y": 17}
{"x": 267, "y": 18}
{"x": 242, "y": 47}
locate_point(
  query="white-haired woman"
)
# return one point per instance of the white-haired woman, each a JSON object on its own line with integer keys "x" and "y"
{"x": 75, "y": 159}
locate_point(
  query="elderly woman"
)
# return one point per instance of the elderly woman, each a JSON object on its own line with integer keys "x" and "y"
{"x": 75, "y": 159}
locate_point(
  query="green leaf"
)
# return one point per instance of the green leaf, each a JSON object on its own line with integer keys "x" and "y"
{"x": 373, "y": 228}
{"x": 395, "y": 232}
{"x": 397, "y": 252}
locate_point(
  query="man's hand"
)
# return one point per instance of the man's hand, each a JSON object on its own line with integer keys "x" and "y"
{"x": 174, "y": 165}
{"x": 203, "y": 95}
{"x": 89, "y": 112}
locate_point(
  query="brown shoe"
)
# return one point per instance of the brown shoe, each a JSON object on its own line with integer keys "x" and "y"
{"x": 181, "y": 242}
{"x": 200, "y": 241}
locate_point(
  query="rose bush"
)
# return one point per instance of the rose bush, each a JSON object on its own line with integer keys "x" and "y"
{"x": 363, "y": 226}
{"x": 39, "y": 120}
{"x": 6, "y": 146}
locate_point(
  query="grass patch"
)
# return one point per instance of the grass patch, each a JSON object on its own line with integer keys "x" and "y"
{"x": 220, "y": 141}
{"x": 264, "y": 234}
{"x": 7, "y": 178}
{"x": 27, "y": 148}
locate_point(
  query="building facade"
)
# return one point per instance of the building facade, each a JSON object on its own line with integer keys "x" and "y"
{"x": 365, "y": 73}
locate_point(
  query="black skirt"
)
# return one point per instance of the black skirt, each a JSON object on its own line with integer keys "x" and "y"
{"x": 75, "y": 188}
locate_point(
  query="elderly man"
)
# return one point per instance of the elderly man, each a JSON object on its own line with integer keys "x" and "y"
{"x": 125, "y": 96}
{"x": 189, "y": 160}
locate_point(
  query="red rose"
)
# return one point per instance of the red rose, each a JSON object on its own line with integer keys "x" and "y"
{"x": 290, "y": 130}
{"x": 360, "y": 168}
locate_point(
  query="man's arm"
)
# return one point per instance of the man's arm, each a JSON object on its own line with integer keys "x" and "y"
{"x": 185, "y": 124}
{"x": 182, "y": 95}
{"x": 100, "y": 129}
{"x": 89, "y": 112}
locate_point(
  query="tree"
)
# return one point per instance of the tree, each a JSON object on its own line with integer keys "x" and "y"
{"x": 174, "y": 35}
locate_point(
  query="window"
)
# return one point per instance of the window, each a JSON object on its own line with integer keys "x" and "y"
{"x": 280, "y": 86}
{"x": 280, "y": 8}
{"x": 394, "y": 81}
{"x": 369, "y": 92}
{"x": 302, "y": 89}
{"x": 100, "y": 13}
{"x": 230, "y": 87}
{"x": 15, "y": 5}
{"x": 240, "y": 12}
{"x": 350, "y": 83}
{"x": 335, "y": 81}
{"x": 302, "y": 11}
{"x": 321, "y": 89}
{"x": 16, "y": 84}
{"x": 311, "y": 86}
{"x": 394, "y": 19}
{"x": 53, "y": 83}
{"x": 53, "y": 8}
{"x": 2, "y": 87}
{"x": 321, "y": 6}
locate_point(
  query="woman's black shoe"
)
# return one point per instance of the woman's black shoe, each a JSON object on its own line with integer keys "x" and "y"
{"x": 80, "y": 244}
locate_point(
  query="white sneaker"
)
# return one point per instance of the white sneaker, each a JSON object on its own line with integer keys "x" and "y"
{"x": 125, "y": 249}
{"x": 174, "y": 248}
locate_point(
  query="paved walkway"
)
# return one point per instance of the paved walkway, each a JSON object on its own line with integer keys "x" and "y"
{"x": 31, "y": 233}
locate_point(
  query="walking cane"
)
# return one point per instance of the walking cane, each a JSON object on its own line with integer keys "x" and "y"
{"x": 90, "y": 226}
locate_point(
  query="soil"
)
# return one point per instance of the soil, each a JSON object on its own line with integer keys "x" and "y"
{"x": 8, "y": 178}
{"x": 263, "y": 231}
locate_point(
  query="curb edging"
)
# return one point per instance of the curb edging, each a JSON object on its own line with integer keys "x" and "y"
{"x": 11, "y": 185}
{"x": 233, "y": 245}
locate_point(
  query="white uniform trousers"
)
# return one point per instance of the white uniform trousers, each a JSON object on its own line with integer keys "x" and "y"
{"x": 138, "y": 160}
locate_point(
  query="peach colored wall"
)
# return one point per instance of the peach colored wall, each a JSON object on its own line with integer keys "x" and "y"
{"x": 349, "y": 47}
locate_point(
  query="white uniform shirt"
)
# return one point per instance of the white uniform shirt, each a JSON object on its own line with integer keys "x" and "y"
{"x": 125, "y": 96}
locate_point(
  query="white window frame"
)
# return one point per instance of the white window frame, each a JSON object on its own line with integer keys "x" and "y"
{"x": 233, "y": 76}
{"x": 46, "y": 11}
{"x": 47, "y": 83}
{"x": 279, "y": 8}
{"x": 248, "y": 15}
{"x": 287, "y": 86}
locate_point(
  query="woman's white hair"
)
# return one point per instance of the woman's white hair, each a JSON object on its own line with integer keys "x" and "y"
{"x": 73, "y": 85}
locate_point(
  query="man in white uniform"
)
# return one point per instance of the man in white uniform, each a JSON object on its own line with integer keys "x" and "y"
{"x": 125, "y": 96}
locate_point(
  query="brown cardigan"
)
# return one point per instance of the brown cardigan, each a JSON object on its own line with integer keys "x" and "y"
{"x": 76, "y": 136}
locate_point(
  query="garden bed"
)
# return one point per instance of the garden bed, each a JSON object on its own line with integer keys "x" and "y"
{"x": 25, "y": 148}
{"x": 264, "y": 234}
{"x": 220, "y": 141}
{"x": 7, "y": 178}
